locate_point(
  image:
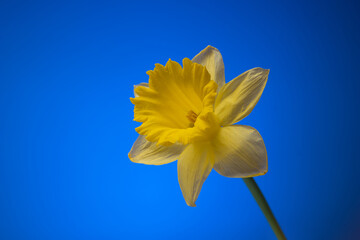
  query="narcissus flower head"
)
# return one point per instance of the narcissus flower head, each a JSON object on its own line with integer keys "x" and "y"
{"x": 187, "y": 114}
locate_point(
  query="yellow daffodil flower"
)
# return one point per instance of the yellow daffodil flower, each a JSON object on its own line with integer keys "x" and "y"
{"x": 187, "y": 115}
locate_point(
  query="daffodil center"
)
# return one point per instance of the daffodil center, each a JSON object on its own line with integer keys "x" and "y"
{"x": 191, "y": 116}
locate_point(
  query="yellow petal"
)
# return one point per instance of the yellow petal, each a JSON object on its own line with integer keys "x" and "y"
{"x": 211, "y": 58}
{"x": 194, "y": 165}
{"x": 147, "y": 152}
{"x": 237, "y": 98}
{"x": 174, "y": 93}
{"x": 140, "y": 85}
{"x": 240, "y": 152}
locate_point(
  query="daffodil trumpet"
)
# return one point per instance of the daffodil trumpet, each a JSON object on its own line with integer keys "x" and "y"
{"x": 187, "y": 114}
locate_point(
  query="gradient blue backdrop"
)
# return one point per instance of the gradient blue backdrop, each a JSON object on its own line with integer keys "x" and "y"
{"x": 67, "y": 70}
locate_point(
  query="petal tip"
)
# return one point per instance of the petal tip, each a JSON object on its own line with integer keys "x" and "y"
{"x": 211, "y": 47}
{"x": 264, "y": 71}
{"x": 186, "y": 60}
{"x": 129, "y": 155}
{"x": 190, "y": 203}
{"x": 261, "y": 173}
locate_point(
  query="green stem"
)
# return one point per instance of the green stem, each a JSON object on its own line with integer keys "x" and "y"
{"x": 264, "y": 206}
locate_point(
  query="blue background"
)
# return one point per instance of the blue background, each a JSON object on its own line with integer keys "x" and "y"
{"x": 67, "y": 70}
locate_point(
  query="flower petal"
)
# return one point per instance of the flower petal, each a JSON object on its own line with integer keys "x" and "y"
{"x": 149, "y": 153}
{"x": 194, "y": 165}
{"x": 239, "y": 96}
{"x": 240, "y": 152}
{"x": 211, "y": 58}
{"x": 143, "y": 84}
